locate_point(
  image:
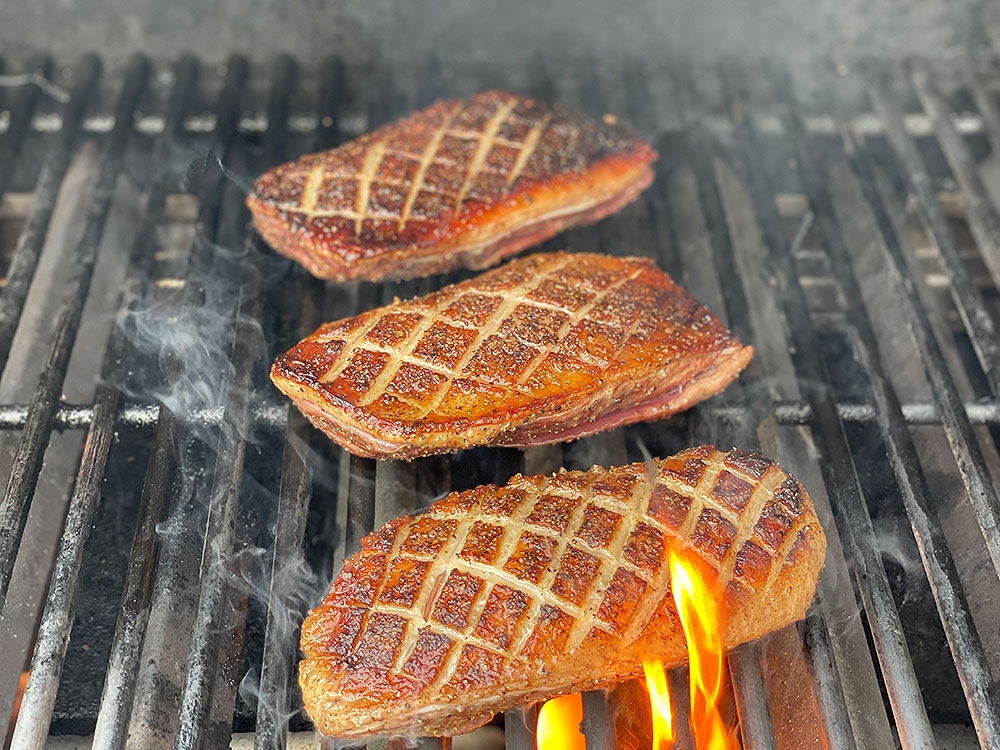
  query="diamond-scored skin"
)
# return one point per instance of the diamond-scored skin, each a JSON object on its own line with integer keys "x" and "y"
{"x": 458, "y": 184}
{"x": 500, "y": 596}
{"x": 546, "y": 348}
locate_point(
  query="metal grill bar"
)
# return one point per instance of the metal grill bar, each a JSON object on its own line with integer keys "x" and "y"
{"x": 54, "y": 631}
{"x": 360, "y": 503}
{"x": 967, "y": 649}
{"x": 519, "y": 729}
{"x": 952, "y": 604}
{"x": 279, "y": 652}
{"x": 214, "y": 594}
{"x": 274, "y": 416}
{"x": 984, "y": 221}
{"x": 958, "y": 429}
{"x": 978, "y": 321}
{"x": 598, "y": 725}
{"x": 736, "y": 302}
{"x": 125, "y": 646}
{"x": 20, "y": 119}
{"x": 28, "y": 460}
{"x": 895, "y": 660}
{"x": 126, "y": 679}
{"x": 826, "y": 676}
{"x": 277, "y": 662}
{"x": 214, "y": 590}
{"x": 751, "y": 699}
{"x": 32, "y": 238}
{"x": 744, "y": 665}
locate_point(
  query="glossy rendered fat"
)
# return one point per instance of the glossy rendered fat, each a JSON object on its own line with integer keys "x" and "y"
{"x": 458, "y": 184}
{"x": 546, "y": 348}
{"x": 501, "y": 596}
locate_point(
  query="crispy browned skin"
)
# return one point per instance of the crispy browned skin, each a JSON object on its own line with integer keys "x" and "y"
{"x": 500, "y": 596}
{"x": 546, "y": 348}
{"x": 458, "y": 184}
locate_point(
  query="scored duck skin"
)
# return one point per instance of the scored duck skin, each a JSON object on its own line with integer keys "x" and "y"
{"x": 458, "y": 184}
{"x": 500, "y": 596}
{"x": 549, "y": 347}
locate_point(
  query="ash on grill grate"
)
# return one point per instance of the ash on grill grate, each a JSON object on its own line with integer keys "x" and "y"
{"x": 840, "y": 222}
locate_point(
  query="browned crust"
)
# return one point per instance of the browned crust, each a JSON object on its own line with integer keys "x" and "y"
{"x": 602, "y": 168}
{"x": 670, "y": 400}
{"x": 503, "y": 231}
{"x": 678, "y": 353}
{"x": 768, "y": 556}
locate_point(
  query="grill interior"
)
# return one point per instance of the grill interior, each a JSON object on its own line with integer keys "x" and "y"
{"x": 168, "y": 517}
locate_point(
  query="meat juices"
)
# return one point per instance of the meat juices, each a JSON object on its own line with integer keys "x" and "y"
{"x": 546, "y": 348}
{"x": 458, "y": 184}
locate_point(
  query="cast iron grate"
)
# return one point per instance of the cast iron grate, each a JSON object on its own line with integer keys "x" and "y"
{"x": 840, "y": 222}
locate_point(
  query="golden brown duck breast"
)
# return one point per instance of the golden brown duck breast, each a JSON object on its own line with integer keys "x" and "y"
{"x": 458, "y": 184}
{"x": 545, "y": 348}
{"x": 500, "y": 596}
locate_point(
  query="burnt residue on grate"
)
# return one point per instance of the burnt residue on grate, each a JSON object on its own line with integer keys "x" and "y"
{"x": 168, "y": 518}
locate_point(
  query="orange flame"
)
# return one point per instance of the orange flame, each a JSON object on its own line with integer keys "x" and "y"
{"x": 697, "y": 603}
{"x": 698, "y": 608}
{"x": 659, "y": 703}
{"x": 16, "y": 709}
{"x": 559, "y": 724}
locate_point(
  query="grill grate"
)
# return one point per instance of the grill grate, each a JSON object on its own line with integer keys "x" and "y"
{"x": 841, "y": 223}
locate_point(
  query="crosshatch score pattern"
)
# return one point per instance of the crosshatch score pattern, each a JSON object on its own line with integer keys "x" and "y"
{"x": 472, "y": 173}
{"x": 549, "y": 580}
{"x": 546, "y": 343}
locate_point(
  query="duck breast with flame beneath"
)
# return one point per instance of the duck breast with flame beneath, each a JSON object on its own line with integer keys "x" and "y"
{"x": 460, "y": 184}
{"x": 547, "y": 348}
{"x": 500, "y": 596}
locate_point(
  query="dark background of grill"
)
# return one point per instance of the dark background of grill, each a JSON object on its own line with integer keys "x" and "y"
{"x": 500, "y": 31}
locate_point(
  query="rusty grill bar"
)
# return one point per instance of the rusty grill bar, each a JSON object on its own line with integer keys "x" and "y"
{"x": 761, "y": 178}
